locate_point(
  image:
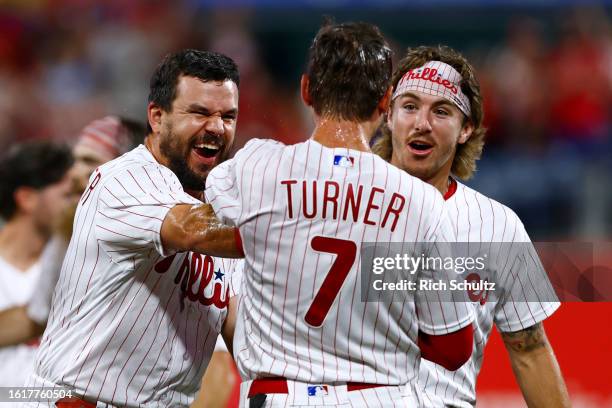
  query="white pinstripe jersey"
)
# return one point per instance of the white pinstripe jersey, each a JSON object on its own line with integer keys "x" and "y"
{"x": 479, "y": 219}
{"x": 131, "y": 324}
{"x": 303, "y": 211}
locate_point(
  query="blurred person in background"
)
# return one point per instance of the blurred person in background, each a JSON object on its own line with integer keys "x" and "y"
{"x": 100, "y": 141}
{"x": 517, "y": 73}
{"x": 34, "y": 191}
{"x": 581, "y": 91}
{"x": 435, "y": 132}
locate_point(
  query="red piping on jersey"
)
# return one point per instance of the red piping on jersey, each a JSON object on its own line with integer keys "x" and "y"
{"x": 452, "y": 188}
{"x": 451, "y": 350}
{"x": 238, "y": 239}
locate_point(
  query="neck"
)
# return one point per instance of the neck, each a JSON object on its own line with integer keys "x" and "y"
{"x": 439, "y": 181}
{"x": 21, "y": 243}
{"x": 152, "y": 144}
{"x": 340, "y": 133}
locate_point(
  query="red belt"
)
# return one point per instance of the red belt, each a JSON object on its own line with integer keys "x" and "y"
{"x": 277, "y": 385}
{"x": 74, "y": 402}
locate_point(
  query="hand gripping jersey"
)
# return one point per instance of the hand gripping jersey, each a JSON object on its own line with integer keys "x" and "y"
{"x": 484, "y": 222}
{"x": 303, "y": 212}
{"x": 132, "y": 324}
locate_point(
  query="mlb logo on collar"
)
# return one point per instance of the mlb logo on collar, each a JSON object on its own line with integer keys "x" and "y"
{"x": 343, "y": 161}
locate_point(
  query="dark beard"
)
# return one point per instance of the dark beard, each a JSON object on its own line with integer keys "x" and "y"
{"x": 177, "y": 162}
{"x": 189, "y": 180}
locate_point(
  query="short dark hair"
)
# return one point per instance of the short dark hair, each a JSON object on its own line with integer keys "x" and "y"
{"x": 204, "y": 65}
{"x": 349, "y": 70}
{"x": 34, "y": 164}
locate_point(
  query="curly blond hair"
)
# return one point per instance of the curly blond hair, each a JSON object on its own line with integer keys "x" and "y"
{"x": 464, "y": 163}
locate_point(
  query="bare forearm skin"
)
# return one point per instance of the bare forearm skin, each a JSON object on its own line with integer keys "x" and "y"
{"x": 17, "y": 327}
{"x": 196, "y": 228}
{"x": 536, "y": 369}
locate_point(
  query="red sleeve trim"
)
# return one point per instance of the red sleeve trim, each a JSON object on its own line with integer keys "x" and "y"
{"x": 451, "y": 350}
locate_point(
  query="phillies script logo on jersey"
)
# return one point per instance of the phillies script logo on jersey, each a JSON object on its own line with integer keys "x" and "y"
{"x": 195, "y": 275}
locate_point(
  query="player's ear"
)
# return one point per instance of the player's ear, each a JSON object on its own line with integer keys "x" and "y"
{"x": 154, "y": 115}
{"x": 385, "y": 101}
{"x": 466, "y": 131}
{"x": 304, "y": 90}
{"x": 389, "y": 115}
{"x": 26, "y": 199}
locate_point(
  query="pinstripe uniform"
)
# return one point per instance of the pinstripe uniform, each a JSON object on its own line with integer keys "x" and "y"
{"x": 479, "y": 219}
{"x": 303, "y": 212}
{"x": 132, "y": 324}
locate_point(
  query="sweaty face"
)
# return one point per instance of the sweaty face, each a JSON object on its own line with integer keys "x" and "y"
{"x": 425, "y": 132}
{"x": 199, "y": 131}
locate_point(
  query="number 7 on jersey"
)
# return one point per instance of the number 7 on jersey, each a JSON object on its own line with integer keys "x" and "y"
{"x": 345, "y": 252}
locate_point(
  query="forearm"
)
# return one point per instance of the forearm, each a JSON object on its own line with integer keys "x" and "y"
{"x": 536, "y": 369}
{"x": 229, "y": 326}
{"x": 17, "y": 327}
{"x": 218, "y": 382}
{"x": 196, "y": 228}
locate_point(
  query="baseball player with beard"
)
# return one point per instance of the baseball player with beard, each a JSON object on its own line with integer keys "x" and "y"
{"x": 434, "y": 132}
{"x": 138, "y": 308}
{"x": 304, "y": 334}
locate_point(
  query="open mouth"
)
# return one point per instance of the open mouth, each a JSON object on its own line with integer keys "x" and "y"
{"x": 420, "y": 148}
{"x": 207, "y": 150}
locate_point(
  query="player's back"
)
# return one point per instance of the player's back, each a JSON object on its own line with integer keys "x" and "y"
{"x": 303, "y": 212}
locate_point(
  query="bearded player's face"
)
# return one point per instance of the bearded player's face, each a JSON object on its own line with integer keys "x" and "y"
{"x": 425, "y": 132}
{"x": 198, "y": 133}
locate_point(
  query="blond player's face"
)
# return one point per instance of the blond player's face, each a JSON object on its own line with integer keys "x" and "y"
{"x": 425, "y": 132}
{"x": 199, "y": 131}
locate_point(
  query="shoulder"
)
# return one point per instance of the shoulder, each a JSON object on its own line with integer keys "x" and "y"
{"x": 253, "y": 157}
{"x": 137, "y": 174}
{"x": 260, "y": 146}
{"x": 489, "y": 210}
{"x": 407, "y": 182}
{"x": 137, "y": 168}
{"x": 420, "y": 190}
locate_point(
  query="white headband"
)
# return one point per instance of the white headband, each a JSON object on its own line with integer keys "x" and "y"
{"x": 438, "y": 79}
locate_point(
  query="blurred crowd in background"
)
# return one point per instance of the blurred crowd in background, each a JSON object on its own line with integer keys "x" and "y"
{"x": 546, "y": 75}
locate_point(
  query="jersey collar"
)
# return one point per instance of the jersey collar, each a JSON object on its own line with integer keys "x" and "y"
{"x": 452, "y": 188}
